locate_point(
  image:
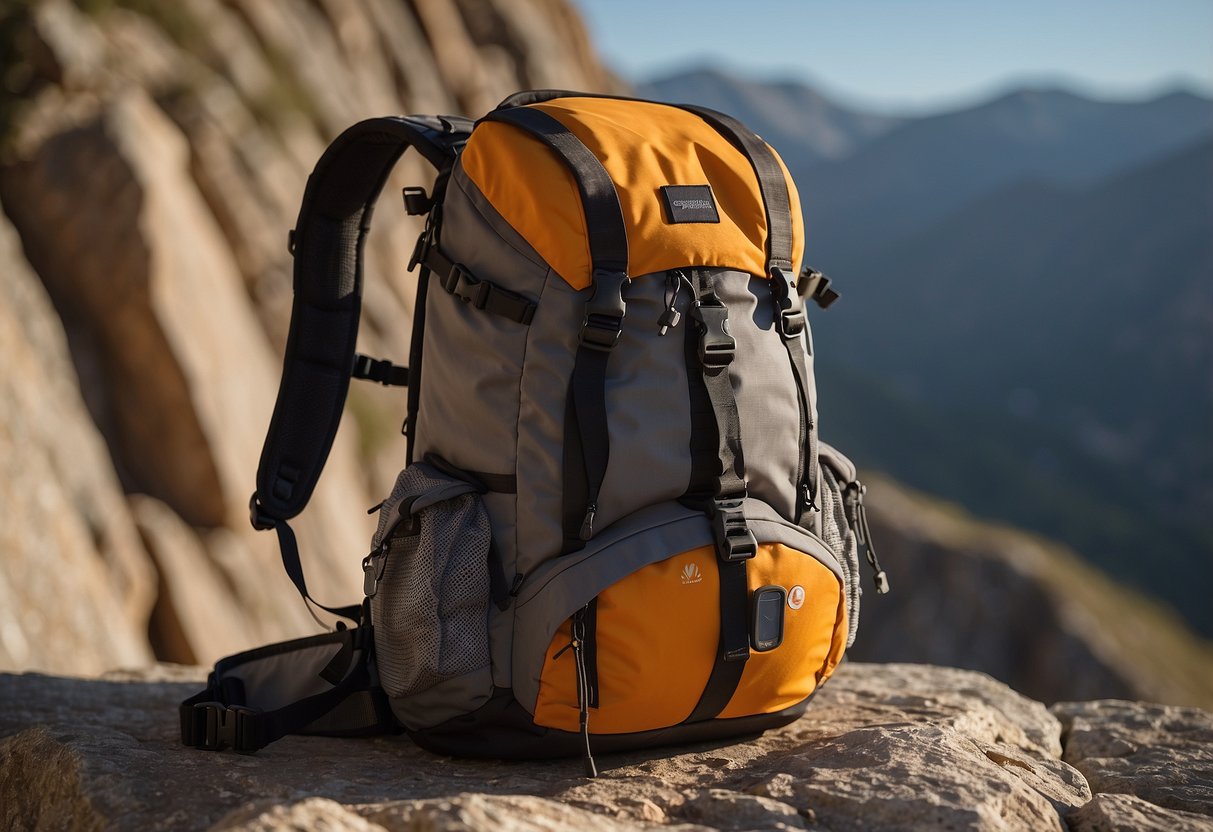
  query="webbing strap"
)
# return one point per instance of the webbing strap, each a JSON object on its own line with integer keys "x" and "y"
{"x": 789, "y": 312}
{"x": 328, "y": 247}
{"x": 735, "y": 543}
{"x": 456, "y": 280}
{"x": 771, "y": 182}
{"x": 604, "y": 224}
{"x": 224, "y": 714}
{"x": 586, "y": 429}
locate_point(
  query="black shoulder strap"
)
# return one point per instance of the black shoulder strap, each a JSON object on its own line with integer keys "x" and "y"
{"x": 585, "y": 414}
{"x": 328, "y": 246}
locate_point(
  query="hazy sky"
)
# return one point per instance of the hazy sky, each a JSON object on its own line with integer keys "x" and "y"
{"x": 916, "y": 53}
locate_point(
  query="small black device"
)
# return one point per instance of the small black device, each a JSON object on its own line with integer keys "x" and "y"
{"x": 766, "y": 629}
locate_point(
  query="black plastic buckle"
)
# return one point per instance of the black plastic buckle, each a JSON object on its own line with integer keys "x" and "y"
{"x": 604, "y": 311}
{"x": 257, "y": 515}
{"x": 716, "y": 346}
{"x": 816, "y": 286}
{"x": 217, "y": 726}
{"x": 464, "y": 285}
{"x": 416, "y": 201}
{"x": 734, "y": 540}
{"x": 789, "y": 309}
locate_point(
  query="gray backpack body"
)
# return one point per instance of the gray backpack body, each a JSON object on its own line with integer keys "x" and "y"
{"x": 618, "y": 526}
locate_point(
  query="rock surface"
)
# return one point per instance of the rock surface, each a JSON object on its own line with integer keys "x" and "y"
{"x": 881, "y": 747}
{"x": 1158, "y": 753}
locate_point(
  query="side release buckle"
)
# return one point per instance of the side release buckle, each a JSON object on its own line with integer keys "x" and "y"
{"x": 734, "y": 540}
{"x": 604, "y": 311}
{"x": 789, "y": 309}
{"x": 216, "y": 726}
{"x": 716, "y": 346}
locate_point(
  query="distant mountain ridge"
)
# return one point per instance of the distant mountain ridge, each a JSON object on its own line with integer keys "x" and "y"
{"x": 1027, "y": 323}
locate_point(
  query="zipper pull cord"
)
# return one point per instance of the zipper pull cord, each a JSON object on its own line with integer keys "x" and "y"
{"x": 863, "y": 535}
{"x": 671, "y": 316}
{"x": 583, "y": 693}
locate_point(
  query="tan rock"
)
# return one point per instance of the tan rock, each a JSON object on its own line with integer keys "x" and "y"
{"x": 1126, "y": 813}
{"x": 881, "y": 747}
{"x": 1159, "y": 753}
{"x": 76, "y": 589}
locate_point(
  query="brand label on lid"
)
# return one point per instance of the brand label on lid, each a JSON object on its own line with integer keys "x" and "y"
{"x": 689, "y": 203}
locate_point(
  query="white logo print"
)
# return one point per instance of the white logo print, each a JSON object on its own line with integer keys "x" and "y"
{"x": 691, "y": 574}
{"x": 692, "y": 204}
{"x": 796, "y": 597}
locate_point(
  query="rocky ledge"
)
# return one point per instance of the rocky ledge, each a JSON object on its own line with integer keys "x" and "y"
{"x": 882, "y": 747}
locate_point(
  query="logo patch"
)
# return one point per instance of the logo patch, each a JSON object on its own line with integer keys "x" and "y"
{"x": 796, "y": 597}
{"x": 691, "y": 574}
{"x": 689, "y": 203}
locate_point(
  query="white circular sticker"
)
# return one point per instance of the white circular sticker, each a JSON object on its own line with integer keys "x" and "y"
{"x": 796, "y": 597}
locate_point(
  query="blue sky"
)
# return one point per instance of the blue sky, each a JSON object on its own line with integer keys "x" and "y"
{"x": 917, "y": 54}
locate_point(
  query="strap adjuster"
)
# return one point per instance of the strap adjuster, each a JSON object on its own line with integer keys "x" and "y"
{"x": 734, "y": 540}
{"x": 215, "y": 726}
{"x": 604, "y": 311}
{"x": 789, "y": 310}
{"x": 716, "y": 346}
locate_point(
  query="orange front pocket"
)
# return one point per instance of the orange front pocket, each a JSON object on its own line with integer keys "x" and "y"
{"x": 655, "y": 634}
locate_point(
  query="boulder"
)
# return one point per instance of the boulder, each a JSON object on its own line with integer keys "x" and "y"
{"x": 881, "y": 747}
{"x": 1159, "y": 753}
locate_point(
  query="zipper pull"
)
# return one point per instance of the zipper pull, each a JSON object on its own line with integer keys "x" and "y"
{"x": 583, "y": 691}
{"x": 863, "y": 535}
{"x": 671, "y": 316}
{"x": 807, "y": 500}
{"x": 587, "y": 524}
{"x": 372, "y": 570}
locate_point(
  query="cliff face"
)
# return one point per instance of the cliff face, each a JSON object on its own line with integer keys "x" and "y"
{"x": 151, "y": 161}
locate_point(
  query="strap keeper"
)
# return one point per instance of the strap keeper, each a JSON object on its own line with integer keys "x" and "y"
{"x": 734, "y": 540}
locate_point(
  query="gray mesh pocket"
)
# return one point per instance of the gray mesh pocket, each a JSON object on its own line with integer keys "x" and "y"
{"x": 430, "y": 605}
{"x": 837, "y": 533}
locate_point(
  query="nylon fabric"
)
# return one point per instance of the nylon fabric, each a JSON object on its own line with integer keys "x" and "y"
{"x": 643, "y": 146}
{"x": 661, "y": 622}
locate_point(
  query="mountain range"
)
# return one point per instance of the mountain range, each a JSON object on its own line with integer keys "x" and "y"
{"x": 1027, "y": 324}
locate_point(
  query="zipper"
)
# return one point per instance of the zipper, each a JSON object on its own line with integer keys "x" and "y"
{"x": 857, "y": 519}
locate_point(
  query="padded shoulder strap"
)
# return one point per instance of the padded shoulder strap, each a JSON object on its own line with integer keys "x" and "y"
{"x": 328, "y": 247}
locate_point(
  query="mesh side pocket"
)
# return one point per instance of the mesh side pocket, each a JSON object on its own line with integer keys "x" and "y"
{"x": 431, "y": 605}
{"x": 837, "y": 533}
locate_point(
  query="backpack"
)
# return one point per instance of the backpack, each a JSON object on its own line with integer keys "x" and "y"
{"x": 617, "y": 527}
